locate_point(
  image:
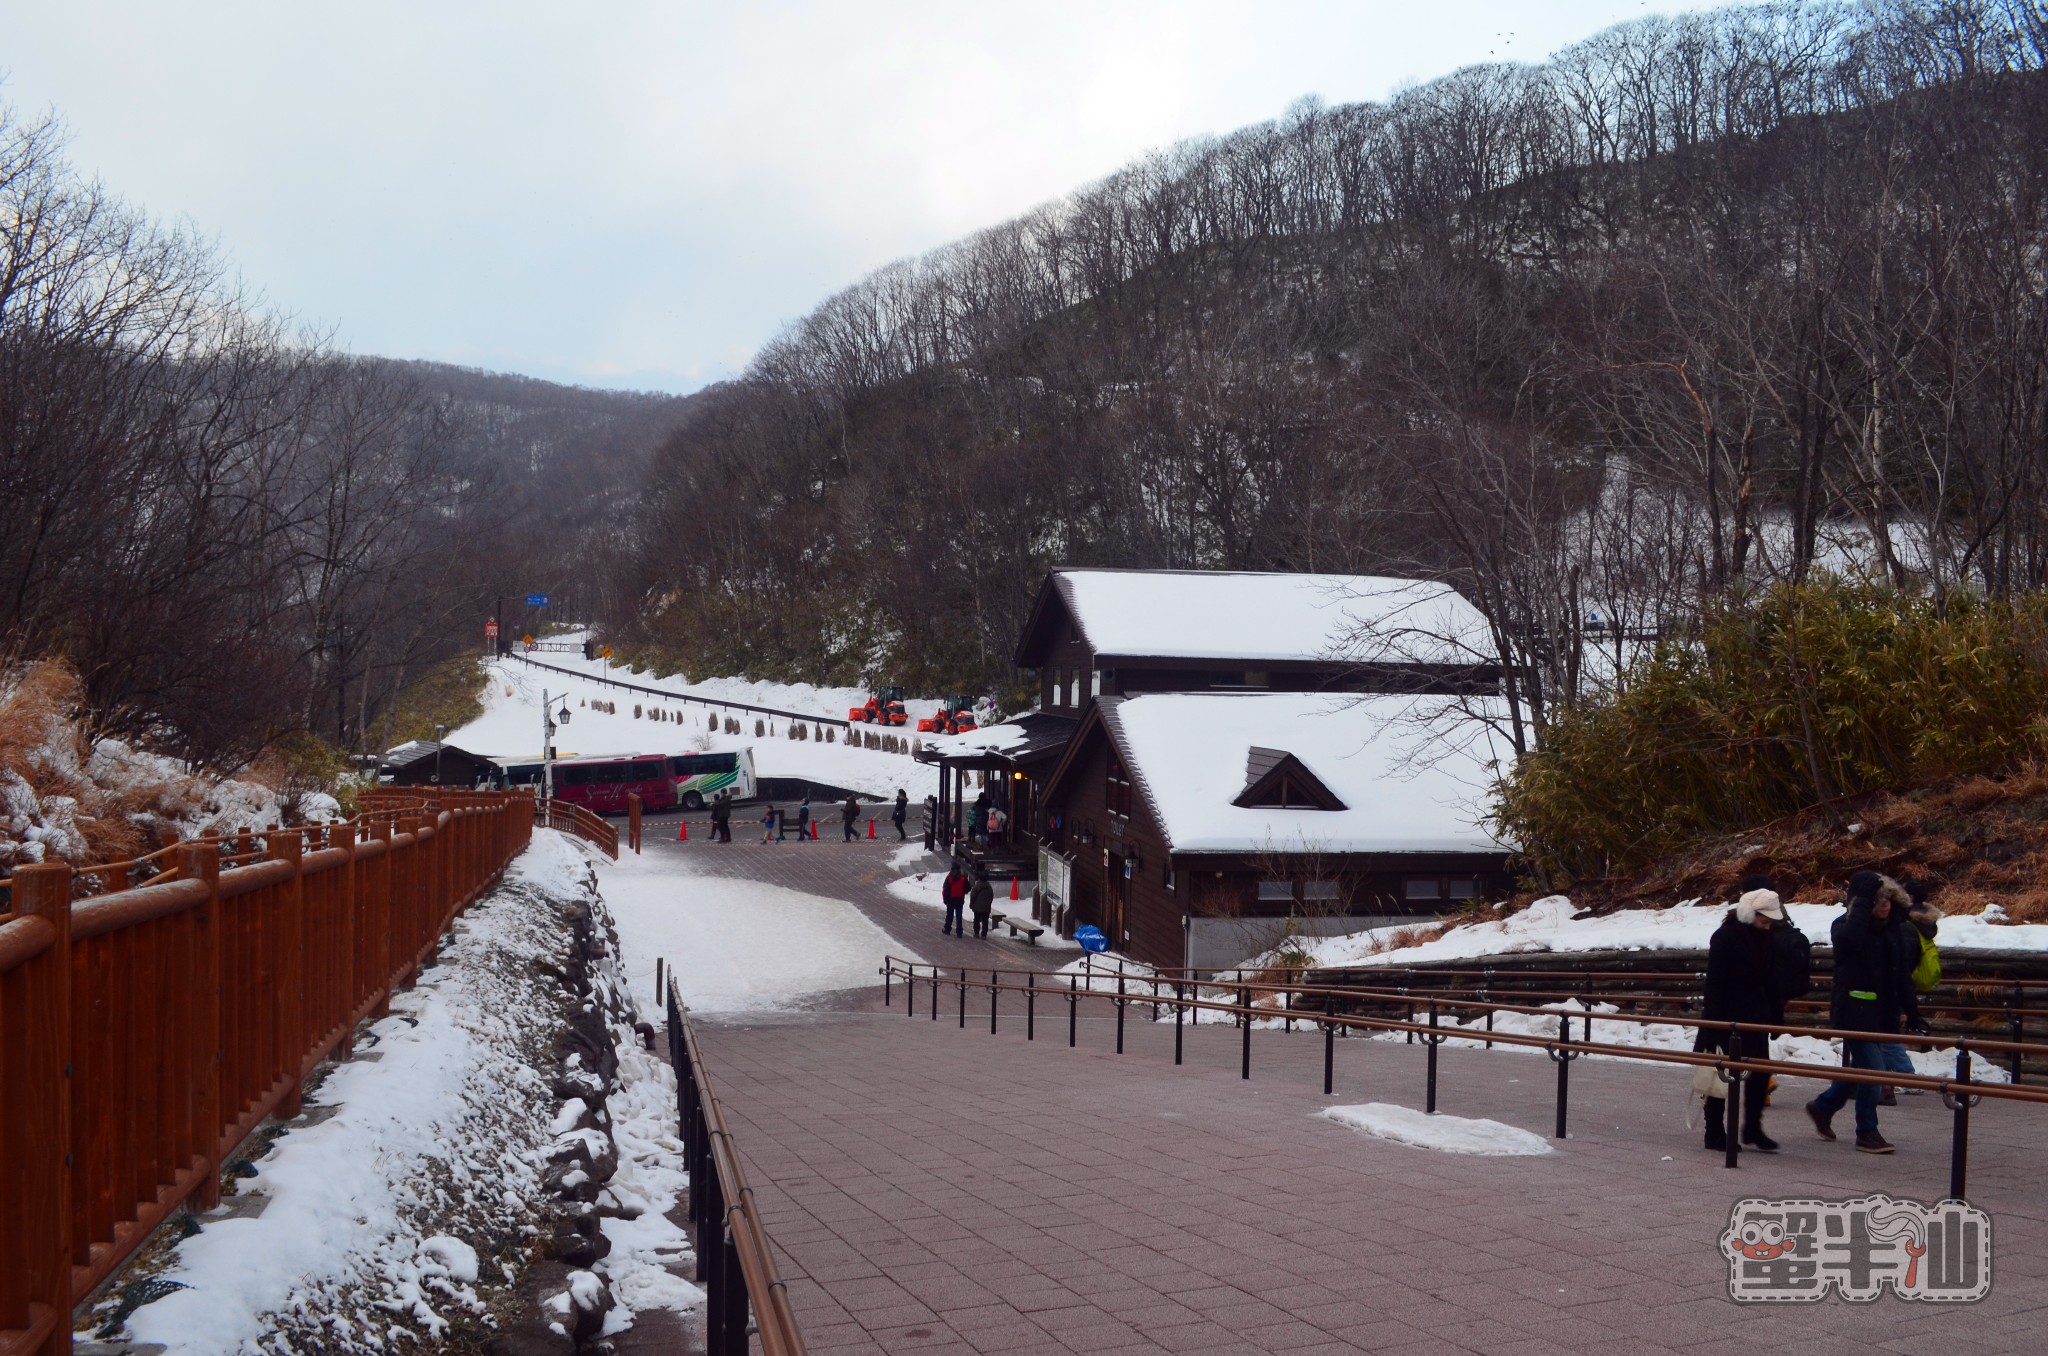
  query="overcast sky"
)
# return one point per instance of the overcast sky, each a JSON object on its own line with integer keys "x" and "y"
{"x": 640, "y": 194}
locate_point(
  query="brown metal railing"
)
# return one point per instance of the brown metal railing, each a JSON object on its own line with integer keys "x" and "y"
{"x": 1242, "y": 1007}
{"x": 147, "y": 1029}
{"x": 735, "y": 1264}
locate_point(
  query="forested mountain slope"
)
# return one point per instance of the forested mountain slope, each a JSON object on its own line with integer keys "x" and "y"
{"x": 1695, "y": 305}
{"x": 233, "y": 533}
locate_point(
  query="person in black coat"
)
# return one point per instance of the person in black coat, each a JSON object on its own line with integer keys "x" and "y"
{"x": 1873, "y": 992}
{"x": 850, "y": 813}
{"x": 981, "y": 902}
{"x": 1744, "y": 985}
{"x": 899, "y": 814}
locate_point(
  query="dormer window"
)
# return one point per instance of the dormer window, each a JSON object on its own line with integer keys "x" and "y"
{"x": 1276, "y": 779}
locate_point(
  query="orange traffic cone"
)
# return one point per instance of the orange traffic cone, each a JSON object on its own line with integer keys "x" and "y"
{"x": 871, "y": 826}
{"x": 682, "y": 830}
{"x": 1013, "y": 887}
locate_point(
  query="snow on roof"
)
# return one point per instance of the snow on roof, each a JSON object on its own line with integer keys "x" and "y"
{"x": 1413, "y": 777}
{"x": 1212, "y": 614}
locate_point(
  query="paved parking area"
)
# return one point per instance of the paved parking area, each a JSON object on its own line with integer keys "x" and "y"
{"x": 938, "y": 1190}
{"x": 858, "y": 872}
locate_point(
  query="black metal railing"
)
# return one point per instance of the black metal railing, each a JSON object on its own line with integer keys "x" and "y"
{"x": 735, "y": 1264}
{"x": 1239, "y": 1003}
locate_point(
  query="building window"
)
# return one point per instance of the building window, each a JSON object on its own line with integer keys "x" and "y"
{"x": 1117, "y": 790}
{"x": 1276, "y": 889}
{"x": 1169, "y": 878}
{"x": 1059, "y": 691}
{"x": 1320, "y": 889}
{"x": 1074, "y": 688}
{"x": 1423, "y": 887}
{"x": 1462, "y": 890}
{"x": 1095, "y": 682}
{"x": 1256, "y": 678}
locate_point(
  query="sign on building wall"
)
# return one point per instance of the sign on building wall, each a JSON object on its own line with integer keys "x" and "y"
{"x": 1055, "y": 877}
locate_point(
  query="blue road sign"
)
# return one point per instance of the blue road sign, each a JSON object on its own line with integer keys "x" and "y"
{"x": 536, "y": 600}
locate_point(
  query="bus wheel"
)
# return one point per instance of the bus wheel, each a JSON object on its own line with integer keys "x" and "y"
{"x": 692, "y": 801}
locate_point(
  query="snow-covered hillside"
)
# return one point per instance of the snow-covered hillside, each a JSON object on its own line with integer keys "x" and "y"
{"x": 510, "y": 727}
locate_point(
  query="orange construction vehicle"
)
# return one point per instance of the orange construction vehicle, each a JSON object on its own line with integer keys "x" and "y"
{"x": 884, "y": 707}
{"x": 954, "y": 716}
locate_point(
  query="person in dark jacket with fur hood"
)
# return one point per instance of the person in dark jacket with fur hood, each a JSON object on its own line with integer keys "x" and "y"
{"x": 1746, "y": 982}
{"x": 1874, "y": 993}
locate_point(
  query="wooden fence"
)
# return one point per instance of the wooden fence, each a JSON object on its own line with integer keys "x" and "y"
{"x": 148, "y": 1027}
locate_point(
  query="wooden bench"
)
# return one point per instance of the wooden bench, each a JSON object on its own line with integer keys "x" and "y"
{"x": 1024, "y": 926}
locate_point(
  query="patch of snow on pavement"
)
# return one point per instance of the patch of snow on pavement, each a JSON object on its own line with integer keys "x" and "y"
{"x": 737, "y": 945}
{"x": 1445, "y": 1134}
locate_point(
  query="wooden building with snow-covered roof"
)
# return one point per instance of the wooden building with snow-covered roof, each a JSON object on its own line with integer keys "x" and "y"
{"x": 1095, "y": 633}
{"x": 1198, "y": 829}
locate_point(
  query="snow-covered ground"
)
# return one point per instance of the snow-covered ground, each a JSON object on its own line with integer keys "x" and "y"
{"x": 425, "y": 1177}
{"x": 1548, "y": 925}
{"x": 510, "y": 727}
{"x": 737, "y": 945}
{"x": 1445, "y": 1134}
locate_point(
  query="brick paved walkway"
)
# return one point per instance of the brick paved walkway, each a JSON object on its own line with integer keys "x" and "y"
{"x": 938, "y": 1190}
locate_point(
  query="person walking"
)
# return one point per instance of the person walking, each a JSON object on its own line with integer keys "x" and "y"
{"x": 1920, "y": 957}
{"x": 899, "y": 814}
{"x": 1872, "y": 993}
{"x": 982, "y": 901}
{"x": 768, "y": 825}
{"x": 953, "y": 893}
{"x": 852, "y": 813}
{"x": 1743, "y": 986}
{"x": 977, "y": 821}
{"x": 803, "y": 819}
{"x": 721, "y": 816}
{"x": 996, "y": 820}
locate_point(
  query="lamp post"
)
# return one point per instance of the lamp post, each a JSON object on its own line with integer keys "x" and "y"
{"x": 548, "y": 721}
{"x": 439, "y": 731}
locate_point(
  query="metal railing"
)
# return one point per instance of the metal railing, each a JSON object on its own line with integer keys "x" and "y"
{"x": 735, "y": 1264}
{"x": 148, "y": 1028}
{"x": 1240, "y": 1005}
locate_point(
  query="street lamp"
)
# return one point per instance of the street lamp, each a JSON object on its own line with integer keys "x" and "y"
{"x": 439, "y": 731}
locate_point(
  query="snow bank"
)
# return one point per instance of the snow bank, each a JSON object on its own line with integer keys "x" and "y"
{"x": 510, "y": 728}
{"x": 1550, "y": 925}
{"x": 428, "y": 1163}
{"x": 1445, "y": 1134}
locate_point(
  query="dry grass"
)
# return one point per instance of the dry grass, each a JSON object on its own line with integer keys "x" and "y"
{"x": 46, "y": 744}
{"x": 1982, "y": 840}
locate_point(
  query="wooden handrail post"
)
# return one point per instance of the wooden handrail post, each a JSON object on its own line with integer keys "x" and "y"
{"x": 291, "y": 990}
{"x": 42, "y": 1050}
{"x": 343, "y": 836}
{"x": 201, "y": 861}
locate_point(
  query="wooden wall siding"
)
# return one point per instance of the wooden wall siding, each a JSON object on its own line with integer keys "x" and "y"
{"x": 145, "y": 1032}
{"x": 1068, "y": 655}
